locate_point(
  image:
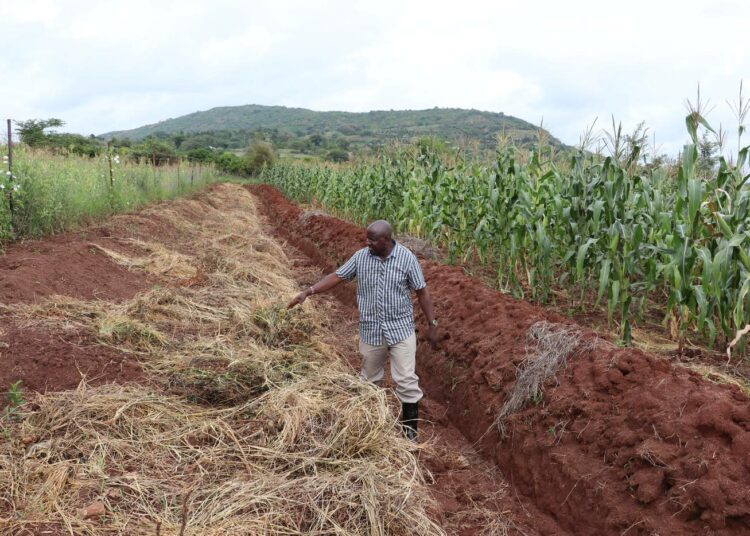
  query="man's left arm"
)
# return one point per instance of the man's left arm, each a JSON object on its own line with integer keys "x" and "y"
{"x": 425, "y": 302}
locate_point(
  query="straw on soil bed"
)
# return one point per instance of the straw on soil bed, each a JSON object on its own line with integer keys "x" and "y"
{"x": 548, "y": 348}
{"x": 313, "y": 458}
{"x": 251, "y": 426}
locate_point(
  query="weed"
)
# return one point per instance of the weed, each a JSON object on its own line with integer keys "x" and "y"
{"x": 12, "y": 411}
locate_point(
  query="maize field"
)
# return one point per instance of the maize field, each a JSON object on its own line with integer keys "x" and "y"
{"x": 605, "y": 229}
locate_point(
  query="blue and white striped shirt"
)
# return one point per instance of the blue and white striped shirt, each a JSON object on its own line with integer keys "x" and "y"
{"x": 386, "y": 313}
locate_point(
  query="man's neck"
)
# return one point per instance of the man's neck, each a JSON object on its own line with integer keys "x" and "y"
{"x": 387, "y": 252}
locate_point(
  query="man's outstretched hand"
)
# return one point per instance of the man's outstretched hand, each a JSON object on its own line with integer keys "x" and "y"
{"x": 327, "y": 283}
{"x": 299, "y": 299}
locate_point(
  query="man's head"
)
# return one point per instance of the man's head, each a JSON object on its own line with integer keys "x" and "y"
{"x": 379, "y": 237}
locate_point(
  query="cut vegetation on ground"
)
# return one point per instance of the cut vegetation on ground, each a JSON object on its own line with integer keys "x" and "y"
{"x": 244, "y": 423}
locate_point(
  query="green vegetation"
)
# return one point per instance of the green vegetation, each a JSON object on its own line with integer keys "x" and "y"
{"x": 601, "y": 229}
{"x": 258, "y": 156}
{"x": 49, "y": 192}
{"x": 32, "y": 133}
{"x": 14, "y": 400}
{"x": 153, "y": 150}
{"x": 319, "y": 133}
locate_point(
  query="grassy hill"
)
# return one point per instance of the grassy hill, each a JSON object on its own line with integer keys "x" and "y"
{"x": 236, "y": 125}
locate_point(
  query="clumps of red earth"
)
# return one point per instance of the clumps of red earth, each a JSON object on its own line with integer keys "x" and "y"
{"x": 620, "y": 442}
{"x": 46, "y": 359}
{"x": 67, "y": 265}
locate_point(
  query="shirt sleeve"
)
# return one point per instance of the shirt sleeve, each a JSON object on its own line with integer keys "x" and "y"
{"x": 415, "y": 276}
{"x": 348, "y": 270}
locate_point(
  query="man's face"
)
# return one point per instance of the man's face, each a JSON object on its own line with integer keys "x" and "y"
{"x": 377, "y": 244}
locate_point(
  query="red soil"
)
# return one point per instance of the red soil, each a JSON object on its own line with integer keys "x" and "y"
{"x": 67, "y": 265}
{"x": 47, "y": 360}
{"x": 44, "y": 359}
{"x": 623, "y": 442}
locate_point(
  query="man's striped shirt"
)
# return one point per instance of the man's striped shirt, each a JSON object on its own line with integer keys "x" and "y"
{"x": 386, "y": 313}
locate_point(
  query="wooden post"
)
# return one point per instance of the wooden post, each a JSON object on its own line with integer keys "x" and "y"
{"x": 109, "y": 159}
{"x": 10, "y": 171}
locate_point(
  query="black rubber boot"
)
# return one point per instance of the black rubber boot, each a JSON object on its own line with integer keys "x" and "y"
{"x": 409, "y": 416}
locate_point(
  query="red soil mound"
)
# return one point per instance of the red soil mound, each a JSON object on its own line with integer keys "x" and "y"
{"x": 622, "y": 442}
{"x": 68, "y": 265}
{"x": 47, "y": 360}
{"x": 65, "y": 264}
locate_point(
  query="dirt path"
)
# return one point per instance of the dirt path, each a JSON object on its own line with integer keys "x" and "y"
{"x": 621, "y": 442}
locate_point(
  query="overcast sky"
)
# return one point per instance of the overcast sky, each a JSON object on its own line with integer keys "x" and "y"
{"x": 104, "y": 66}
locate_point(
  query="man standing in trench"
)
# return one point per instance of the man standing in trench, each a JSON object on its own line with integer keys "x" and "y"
{"x": 386, "y": 274}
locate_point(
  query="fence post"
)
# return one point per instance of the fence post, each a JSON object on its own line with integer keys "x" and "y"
{"x": 109, "y": 159}
{"x": 10, "y": 172}
{"x": 153, "y": 168}
{"x": 179, "y": 186}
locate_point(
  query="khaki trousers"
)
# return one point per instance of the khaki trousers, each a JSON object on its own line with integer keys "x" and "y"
{"x": 403, "y": 365}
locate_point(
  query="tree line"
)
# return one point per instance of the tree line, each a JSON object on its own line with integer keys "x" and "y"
{"x": 235, "y": 152}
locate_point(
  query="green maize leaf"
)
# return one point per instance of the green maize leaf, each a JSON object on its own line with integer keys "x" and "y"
{"x": 676, "y": 277}
{"x": 603, "y": 279}
{"x": 737, "y": 240}
{"x": 614, "y": 300}
{"x": 581, "y": 257}
{"x": 695, "y": 196}
{"x": 702, "y": 120}
{"x": 745, "y": 259}
{"x": 723, "y": 225}
{"x": 742, "y": 155}
{"x": 740, "y": 319}
{"x": 700, "y": 298}
{"x": 708, "y": 265}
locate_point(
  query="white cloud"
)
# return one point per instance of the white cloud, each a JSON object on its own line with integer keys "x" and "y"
{"x": 114, "y": 64}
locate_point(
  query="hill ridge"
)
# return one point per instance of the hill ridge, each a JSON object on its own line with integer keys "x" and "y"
{"x": 359, "y": 129}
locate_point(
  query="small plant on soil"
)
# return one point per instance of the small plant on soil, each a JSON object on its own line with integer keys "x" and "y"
{"x": 12, "y": 412}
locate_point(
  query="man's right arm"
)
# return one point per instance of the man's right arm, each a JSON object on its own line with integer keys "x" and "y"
{"x": 327, "y": 283}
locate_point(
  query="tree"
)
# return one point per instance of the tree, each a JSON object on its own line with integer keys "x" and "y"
{"x": 201, "y": 154}
{"x": 32, "y": 132}
{"x": 177, "y": 139}
{"x": 231, "y": 163}
{"x": 155, "y": 151}
{"x": 259, "y": 155}
{"x": 337, "y": 155}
